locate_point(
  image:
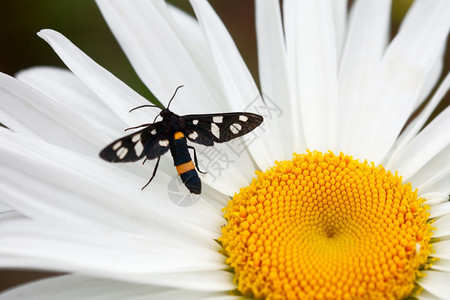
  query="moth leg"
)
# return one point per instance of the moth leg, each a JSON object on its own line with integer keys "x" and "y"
{"x": 153, "y": 175}
{"x": 143, "y": 125}
{"x": 144, "y": 160}
{"x": 195, "y": 160}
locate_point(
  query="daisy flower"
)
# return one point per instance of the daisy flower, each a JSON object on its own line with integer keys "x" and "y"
{"x": 349, "y": 199}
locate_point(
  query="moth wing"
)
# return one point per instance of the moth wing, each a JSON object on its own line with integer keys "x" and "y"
{"x": 198, "y": 134}
{"x": 152, "y": 142}
{"x": 219, "y": 128}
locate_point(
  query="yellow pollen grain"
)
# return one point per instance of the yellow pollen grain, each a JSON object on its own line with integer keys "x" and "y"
{"x": 326, "y": 227}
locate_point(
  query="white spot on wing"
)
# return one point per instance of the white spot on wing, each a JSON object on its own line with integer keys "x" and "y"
{"x": 136, "y": 137}
{"x": 117, "y": 145}
{"x": 122, "y": 152}
{"x": 164, "y": 143}
{"x": 193, "y": 135}
{"x": 195, "y": 122}
{"x": 138, "y": 148}
{"x": 243, "y": 118}
{"x": 235, "y": 128}
{"x": 153, "y": 132}
{"x": 218, "y": 119}
{"x": 215, "y": 130}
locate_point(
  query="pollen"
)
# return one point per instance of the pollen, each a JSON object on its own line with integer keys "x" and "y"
{"x": 323, "y": 226}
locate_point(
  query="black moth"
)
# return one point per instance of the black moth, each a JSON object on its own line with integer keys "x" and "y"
{"x": 171, "y": 133}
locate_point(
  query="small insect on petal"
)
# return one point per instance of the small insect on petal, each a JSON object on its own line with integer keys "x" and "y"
{"x": 157, "y": 138}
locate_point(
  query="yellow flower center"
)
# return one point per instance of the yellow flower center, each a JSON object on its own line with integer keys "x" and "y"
{"x": 326, "y": 227}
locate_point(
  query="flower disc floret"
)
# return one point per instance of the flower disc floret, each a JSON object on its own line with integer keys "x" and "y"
{"x": 326, "y": 227}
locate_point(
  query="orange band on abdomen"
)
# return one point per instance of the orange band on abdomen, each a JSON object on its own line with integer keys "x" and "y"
{"x": 178, "y": 135}
{"x": 183, "y": 168}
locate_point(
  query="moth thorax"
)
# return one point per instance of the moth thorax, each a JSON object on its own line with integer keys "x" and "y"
{"x": 178, "y": 135}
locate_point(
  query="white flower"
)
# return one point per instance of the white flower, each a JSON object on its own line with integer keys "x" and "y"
{"x": 336, "y": 81}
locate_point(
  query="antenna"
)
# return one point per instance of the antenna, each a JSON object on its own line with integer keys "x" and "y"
{"x": 170, "y": 101}
{"x": 145, "y": 105}
{"x": 151, "y": 105}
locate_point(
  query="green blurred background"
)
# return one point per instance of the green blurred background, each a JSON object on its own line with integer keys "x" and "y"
{"x": 82, "y": 23}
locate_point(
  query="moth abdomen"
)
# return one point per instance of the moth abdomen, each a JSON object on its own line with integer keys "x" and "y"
{"x": 184, "y": 164}
{"x": 192, "y": 181}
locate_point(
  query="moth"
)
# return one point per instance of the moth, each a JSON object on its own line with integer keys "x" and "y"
{"x": 172, "y": 133}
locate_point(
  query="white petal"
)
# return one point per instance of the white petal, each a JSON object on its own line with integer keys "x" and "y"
{"x": 81, "y": 287}
{"x": 426, "y": 145}
{"x": 228, "y": 166}
{"x": 367, "y": 36}
{"x": 65, "y": 247}
{"x": 442, "y": 249}
{"x": 400, "y": 77}
{"x": 78, "y": 287}
{"x": 8, "y": 213}
{"x": 340, "y": 23}
{"x": 65, "y": 187}
{"x": 439, "y": 183}
{"x": 436, "y": 283}
{"x": 442, "y": 225}
{"x": 274, "y": 77}
{"x": 109, "y": 88}
{"x": 431, "y": 78}
{"x": 61, "y": 207}
{"x": 312, "y": 58}
{"x": 148, "y": 260}
{"x": 63, "y": 87}
{"x": 425, "y": 295}
{"x": 161, "y": 55}
{"x": 205, "y": 281}
{"x": 414, "y": 127}
{"x": 32, "y": 112}
{"x": 432, "y": 176}
{"x": 440, "y": 210}
{"x": 228, "y": 297}
{"x": 237, "y": 83}
{"x": 4, "y": 207}
{"x": 237, "y": 80}
{"x": 434, "y": 198}
{"x": 442, "y": 264}
{"x": 217, "y": 201}
{"x": 293, "y": 108}
{"x": 190, "y": 32}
